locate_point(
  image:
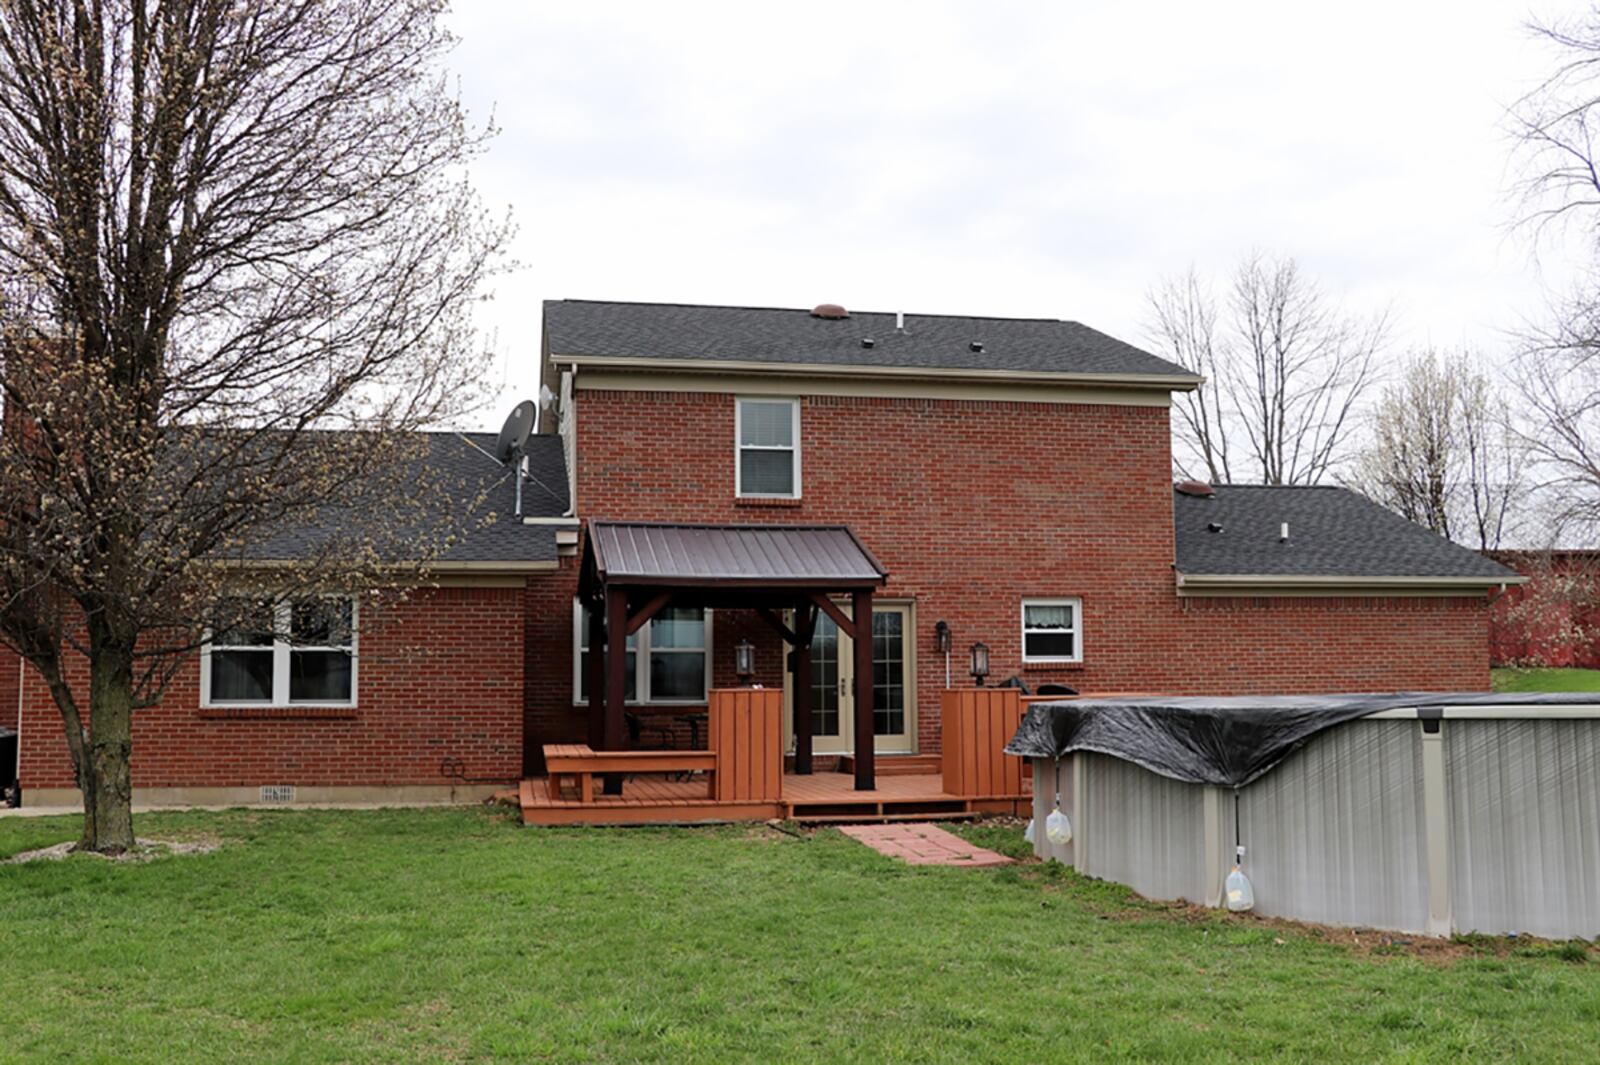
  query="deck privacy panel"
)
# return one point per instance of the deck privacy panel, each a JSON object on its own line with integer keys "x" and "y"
{"x": 977, "y": 723}
{"x": 1139, "y": 829}
{"x": 746, "y": 731}
{"x": 1335, "y": 834}
{"x": 1525, "y": 826}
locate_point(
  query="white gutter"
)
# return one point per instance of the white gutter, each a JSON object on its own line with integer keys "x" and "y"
{"x": 1245, "y": 581}
{"x": 1165, "y": 382}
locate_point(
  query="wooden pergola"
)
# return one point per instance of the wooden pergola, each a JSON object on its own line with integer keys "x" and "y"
{"x": 632, "y": 571}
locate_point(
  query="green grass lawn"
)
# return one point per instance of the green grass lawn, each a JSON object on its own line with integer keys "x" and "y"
{"x": 1547, "y": 680}
{"x": 457, "y": 935}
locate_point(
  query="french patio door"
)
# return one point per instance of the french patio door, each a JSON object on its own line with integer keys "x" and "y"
{"x": 833, "y": 706}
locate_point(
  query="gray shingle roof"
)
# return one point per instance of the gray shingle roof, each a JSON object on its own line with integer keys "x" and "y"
{"x": 793, "y": 337}
{"x": 1333, "y": 532}
{"x": 468, "y": 490}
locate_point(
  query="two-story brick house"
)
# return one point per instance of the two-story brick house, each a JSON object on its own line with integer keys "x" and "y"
{"x": 1012, "y": 478}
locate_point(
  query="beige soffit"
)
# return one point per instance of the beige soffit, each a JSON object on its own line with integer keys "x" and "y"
{"x": 1200, "y": 584}
{"x": 1163, "y": 382}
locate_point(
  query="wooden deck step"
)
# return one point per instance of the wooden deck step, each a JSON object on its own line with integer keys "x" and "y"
{"x": 899, "y": 765}
{"x": 862, "y": 819}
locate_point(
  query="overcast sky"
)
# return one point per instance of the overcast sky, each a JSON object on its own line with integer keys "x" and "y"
{"x": 1006, "y": 159}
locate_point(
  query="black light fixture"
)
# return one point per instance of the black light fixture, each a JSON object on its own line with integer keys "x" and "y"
{"x": 980, "y": 662}
{"x": 744, "y": 661}
{"x": 941, "y": 636}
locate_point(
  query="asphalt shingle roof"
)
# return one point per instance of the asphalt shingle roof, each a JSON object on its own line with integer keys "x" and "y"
{"x": 793, "y": 337}
{"x": 1333, "y": 532}
{"x": 467, "y": 490}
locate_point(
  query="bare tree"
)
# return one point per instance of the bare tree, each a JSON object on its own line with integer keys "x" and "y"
{"x": 225, "y": 230}
{"x": 1558, "y": 372}
{"x": 1442, "y": 451}
{"x": 1184, "y": 317}
{"x": 1286, "y": 372}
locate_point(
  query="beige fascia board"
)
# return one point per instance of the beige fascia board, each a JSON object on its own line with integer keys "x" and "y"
{"x": 1266, "y": 584}
{"x": 719, "y": 367}
{"x": 951, "y": 389}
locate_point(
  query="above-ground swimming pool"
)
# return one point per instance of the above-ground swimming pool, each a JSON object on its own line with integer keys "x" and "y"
{"x": 1422, "y": 813}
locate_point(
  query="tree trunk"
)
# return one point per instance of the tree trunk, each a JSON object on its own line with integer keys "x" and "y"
{"x": 103, "y": 774}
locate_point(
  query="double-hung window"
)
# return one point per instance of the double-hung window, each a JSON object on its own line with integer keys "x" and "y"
{"x": 1052, "y": 630}
{"x": 767, "y": 458}
{"x": 666, "y": 661}
{"x": 283, "y": 653}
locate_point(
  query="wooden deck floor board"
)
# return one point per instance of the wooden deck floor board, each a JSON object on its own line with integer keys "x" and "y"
{"x": 654, "y": 799}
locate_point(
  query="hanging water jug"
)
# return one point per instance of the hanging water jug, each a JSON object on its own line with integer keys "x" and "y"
{"x": 1027, "y": 834}
{"x": 1057, "y": 829}
{"x": 1237, "y": 891}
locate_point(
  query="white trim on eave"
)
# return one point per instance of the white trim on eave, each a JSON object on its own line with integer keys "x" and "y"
{"x": 1163, "y": 382}
{"x": 1271, "y": 584}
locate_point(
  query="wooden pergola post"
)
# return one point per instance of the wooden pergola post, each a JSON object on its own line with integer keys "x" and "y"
{"x": 861, "y": 642}
{"x": 805, "y": 625}
{"x": 616, "y": 678}
{"x": 594, "y": 679}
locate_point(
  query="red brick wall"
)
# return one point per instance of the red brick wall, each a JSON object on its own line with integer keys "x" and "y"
{"x": 973, "y": 506}
{"x": 10, "y": 672}
{"x": 439, "y": 675}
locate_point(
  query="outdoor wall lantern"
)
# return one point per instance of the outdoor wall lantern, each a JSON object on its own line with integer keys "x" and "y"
{"x": 744, "y": 661}
{"x": 941, "y": 636}
{"x": 980, "y": 662}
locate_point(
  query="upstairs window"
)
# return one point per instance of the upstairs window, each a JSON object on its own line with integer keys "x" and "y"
{"x": 1051, "y": 630}
{"x": 767, "y": 432}
{"x": 292, "y": 652}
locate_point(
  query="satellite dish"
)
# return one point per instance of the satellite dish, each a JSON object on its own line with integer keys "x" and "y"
{"x": 514, "y": 433}
{"x": 547, "y": 398}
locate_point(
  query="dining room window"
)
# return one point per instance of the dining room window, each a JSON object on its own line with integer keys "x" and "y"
{"x": 667, "y": 660}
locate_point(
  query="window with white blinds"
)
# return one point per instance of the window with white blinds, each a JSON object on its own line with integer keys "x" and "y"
{"x": 767, "y": 452}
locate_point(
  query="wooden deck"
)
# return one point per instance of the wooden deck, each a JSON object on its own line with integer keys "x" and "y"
{"x": 818, "y": 797}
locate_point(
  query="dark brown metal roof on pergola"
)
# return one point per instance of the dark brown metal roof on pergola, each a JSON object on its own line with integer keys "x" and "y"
{"x": 633, "y": 570}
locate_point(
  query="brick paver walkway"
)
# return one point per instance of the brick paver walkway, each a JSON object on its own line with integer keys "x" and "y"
{"x": 920, "y": 843}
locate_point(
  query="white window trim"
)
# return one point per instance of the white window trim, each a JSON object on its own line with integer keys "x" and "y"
{"x": 641, "y": 665}
{"x": 280, "y": 649}
{"x": 739, "y": 448}
{"x": 1077, "y": 630}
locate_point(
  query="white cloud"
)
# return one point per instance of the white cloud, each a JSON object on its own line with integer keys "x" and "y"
{"x": 1000, "y": 158}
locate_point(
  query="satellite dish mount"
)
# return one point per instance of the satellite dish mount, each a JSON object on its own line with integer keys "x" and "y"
{"x": 512, "y": 444}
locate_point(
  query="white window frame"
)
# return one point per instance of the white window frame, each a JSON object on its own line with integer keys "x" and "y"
{"x": 739, "y": 447}
{"x": 1077, "y": 630}
{"x": 280, "y": 648}
{"x": 641, "y": 665}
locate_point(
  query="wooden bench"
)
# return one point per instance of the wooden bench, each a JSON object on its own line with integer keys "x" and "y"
{"x": 581, "y": 762}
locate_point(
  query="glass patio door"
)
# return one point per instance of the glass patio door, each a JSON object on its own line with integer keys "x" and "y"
{"x": 833, "y": 685}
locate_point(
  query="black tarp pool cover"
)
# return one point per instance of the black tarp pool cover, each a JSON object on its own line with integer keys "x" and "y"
{"x": 1224, "y": 741}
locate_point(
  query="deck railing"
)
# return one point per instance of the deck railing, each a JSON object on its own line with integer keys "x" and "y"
{"x": 746, "y": 731}
{"x": 976, "y": 724}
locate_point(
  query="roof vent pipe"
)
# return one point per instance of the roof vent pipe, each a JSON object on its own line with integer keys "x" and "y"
{"x": 1283, "y": 533}
{"x": 899, "y": 321}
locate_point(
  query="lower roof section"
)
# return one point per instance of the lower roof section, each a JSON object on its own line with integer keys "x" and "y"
{"x": 821, "y": 557}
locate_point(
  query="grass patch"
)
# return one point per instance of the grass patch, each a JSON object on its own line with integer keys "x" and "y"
{"x": 456, "y": 935}
{"x": 1546, "y": 680}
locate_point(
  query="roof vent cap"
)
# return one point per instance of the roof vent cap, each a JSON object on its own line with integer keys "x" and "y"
{"x": 976, "y": 345}
{"x": 1213, "y": 526}
{"x": 1198, "y": 489}
{"x": 867, "y": 342}
{"x": 829, "y": 310}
